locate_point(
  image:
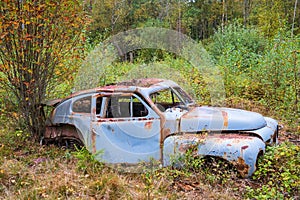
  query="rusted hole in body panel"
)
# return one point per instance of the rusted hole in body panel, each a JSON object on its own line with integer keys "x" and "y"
{"x": 62, "y": 135}
{"x": 219, "y": 165}
{"x": 61, "y": 131}
{"x": 242, "y": 167}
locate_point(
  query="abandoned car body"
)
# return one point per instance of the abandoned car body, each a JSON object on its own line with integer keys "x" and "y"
{"x": 146, "y": 119}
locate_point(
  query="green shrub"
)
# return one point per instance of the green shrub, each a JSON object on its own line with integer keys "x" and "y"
{"x": 87, "y": 162}
{"x": 236, "y": 47}
{"x": 258, "y": 69}
{"x": 278, "y": 173}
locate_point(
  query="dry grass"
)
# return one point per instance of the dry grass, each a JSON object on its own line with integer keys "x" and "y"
{"x": 31, "y": 171}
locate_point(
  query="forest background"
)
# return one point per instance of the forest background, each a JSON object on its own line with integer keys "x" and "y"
{"x": 255, "y": 45}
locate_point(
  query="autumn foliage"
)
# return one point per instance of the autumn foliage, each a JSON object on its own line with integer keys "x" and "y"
{"x": 35, "y": 36}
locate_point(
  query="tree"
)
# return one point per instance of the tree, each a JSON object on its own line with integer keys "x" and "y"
{"x": 108, "y": 17}
{"x": 294, "y": 16}
{"x": 35, "y": 36}
{"x": 269, "y": 16}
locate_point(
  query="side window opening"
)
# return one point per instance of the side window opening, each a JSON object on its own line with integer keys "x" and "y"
{"x": 125, "y": 106}
{"x": 139, "y": 109}
{"x": 82, "y": 105}
{"x": 98, "y": 105}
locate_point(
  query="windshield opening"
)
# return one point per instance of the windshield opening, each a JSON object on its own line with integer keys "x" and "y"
{"x": 183, "y": 95}
{"x": 171, "y": 97}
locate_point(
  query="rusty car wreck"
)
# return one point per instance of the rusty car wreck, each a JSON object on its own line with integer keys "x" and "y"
{"x": 144, "y": 119}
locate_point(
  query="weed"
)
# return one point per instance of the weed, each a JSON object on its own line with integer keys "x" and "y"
{"x": 87, "y": 162}
{"x": 278, "y": 180}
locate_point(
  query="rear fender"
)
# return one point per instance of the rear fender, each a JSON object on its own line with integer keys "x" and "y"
{"x": 63, "y": 131}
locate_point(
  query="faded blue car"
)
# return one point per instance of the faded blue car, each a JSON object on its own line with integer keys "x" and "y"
{"x": 145, "y": 119}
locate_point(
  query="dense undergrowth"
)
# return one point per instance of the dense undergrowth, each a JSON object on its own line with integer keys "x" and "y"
{"x": 31, "y": 171}
{"x": 259, "y": 74}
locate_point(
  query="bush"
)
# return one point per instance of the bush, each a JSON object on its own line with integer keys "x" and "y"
{"x": 254, "y": 68}
{"x": 278, "y": 173}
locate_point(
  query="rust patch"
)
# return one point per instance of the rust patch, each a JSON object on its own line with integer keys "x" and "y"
{"x": 244, "y": 147}
{"x": 242, "y": 167}
{"x": 60, "y": 131}
{"x": 194, "y": 137}
{"x": 113, "y": 120}
{"x": 231, "y": 136}
{"x": 142, "y": 118}
{"x": 184, "y": 147}
{"x": 162, "y": 135}
{"x": 166, "y": 132}
{"x": 94, "y": 111}
{"x": 193, "y": 140}
{"x": 148, "y": 125}
{"x": 185, "y": 115}
{"x": 93, "y": 141}
{"x": 225, "y": 118}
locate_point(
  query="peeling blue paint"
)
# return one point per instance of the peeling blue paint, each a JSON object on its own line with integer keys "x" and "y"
{"x": 132, "y": 122}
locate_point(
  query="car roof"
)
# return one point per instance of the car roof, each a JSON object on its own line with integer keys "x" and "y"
{"x": 124, "y": 86}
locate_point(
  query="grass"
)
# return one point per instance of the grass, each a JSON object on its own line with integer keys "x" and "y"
{"x": 31, "y": 171}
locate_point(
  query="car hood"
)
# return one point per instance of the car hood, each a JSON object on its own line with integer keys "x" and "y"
{"x": 220, "y": 119}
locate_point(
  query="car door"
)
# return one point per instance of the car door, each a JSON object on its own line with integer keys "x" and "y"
{"x": 125, "y": 128}
{"x": 80, "y": 116}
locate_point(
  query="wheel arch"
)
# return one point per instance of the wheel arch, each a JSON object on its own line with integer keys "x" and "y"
{"x": 62, "y": 132}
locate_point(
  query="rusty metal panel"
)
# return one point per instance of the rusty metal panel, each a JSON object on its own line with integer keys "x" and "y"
{"x": 240, "y": 150}
{"x": 161, "y": 134}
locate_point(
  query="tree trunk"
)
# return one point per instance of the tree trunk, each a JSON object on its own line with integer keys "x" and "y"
{"x": 246, "y": 11}
{"x": 294, "y": 16}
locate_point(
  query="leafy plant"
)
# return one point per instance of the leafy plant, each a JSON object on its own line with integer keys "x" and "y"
{"x": 277, "y": 180}
{"x": 35, "y": 39}
{"x": 87, "y": 162}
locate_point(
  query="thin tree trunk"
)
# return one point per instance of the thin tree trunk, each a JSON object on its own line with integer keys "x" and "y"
{"x": 294, "y": 16}
{"x": 224, "y": 13}
{"x": 296, "y": 73}
{"x": 246, "y": 11}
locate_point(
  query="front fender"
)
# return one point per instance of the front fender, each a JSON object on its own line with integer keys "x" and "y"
{"x": 269, "y": 133}
{"x": 240, "y": 150}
